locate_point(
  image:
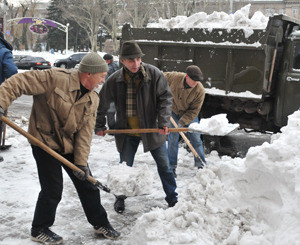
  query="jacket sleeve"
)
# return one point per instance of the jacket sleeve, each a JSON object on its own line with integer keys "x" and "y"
{"x": 105, "y": 100}
{"x": 194, "y": 108}
{"x": 29, "y": 83}
{"x": 83, "y": 139}
{"x": 8, "y": 64}
{"x": 164, "y": 101}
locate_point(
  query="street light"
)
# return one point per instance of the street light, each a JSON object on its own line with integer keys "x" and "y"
{"x": 67, "y": 44}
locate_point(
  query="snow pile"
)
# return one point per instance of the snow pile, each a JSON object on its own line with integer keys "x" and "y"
{"x": 130, "y": 181}
{"x": 239, "y": 20}
{"x": 236, "y": 201}
{"x": 216, "y": 125}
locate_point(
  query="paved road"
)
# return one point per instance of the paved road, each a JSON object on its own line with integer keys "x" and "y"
{"x": 20, "y": 107}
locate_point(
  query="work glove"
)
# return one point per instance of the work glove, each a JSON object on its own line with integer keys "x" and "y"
{"x": 80, "y": 175}
{"x": 2, "y": 112}
{"x": 100, "y": 131}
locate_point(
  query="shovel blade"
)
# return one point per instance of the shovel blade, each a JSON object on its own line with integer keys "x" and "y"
{"x": 4, "y": 147}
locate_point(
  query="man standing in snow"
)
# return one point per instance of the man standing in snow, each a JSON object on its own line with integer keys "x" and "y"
{"x": 63, "y": 117}
{"x": 7, "y": 69}
{"x": 143, "y": 100}
{"x": 112, "y": 67}
{"x": 188, "y": 96}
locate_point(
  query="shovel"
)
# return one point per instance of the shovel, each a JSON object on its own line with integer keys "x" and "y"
{"x": 54, "y": 154}
{"x": 188, "y": 143}
{"x": 2, "y": 136}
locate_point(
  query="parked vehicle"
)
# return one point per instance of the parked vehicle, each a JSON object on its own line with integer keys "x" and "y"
{"x": 69, "y": 62}
{"x": 32, "y": 63}
{"x": 266, "y": 65}
{"x": 17, "y": 57}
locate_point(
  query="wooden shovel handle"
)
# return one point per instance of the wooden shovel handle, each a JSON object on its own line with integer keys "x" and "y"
{"x": 143, "y": 130}
{"x": 46, "y": 148}
{"x": 186, "y": 140}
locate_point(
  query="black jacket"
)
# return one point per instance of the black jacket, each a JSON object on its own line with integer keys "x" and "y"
{"x": 154, "y": 105}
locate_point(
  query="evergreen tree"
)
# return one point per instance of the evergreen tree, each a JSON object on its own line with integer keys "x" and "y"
{"x": 56, "y": 37}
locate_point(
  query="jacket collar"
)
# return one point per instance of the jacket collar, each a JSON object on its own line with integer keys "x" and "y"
{"x": 74, "y": 81}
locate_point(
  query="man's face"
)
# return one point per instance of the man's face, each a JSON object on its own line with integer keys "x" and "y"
{"x": 132, "y": 64}
{"x": 92, "y": 81}
{"x": 190, "y": 81}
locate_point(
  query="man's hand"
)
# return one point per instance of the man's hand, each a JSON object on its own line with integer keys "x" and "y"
{"x": 100, "y": 131}
{"x": 2, "y": 112}
{"x": 80, "y": 175}
{"x": 164, "y": 131}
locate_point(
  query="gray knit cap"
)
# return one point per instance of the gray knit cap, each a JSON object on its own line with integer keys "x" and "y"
{"x": 92, "y": 63}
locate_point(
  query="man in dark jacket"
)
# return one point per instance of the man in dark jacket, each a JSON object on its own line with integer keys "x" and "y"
{"x": 112, "y": 67}
{"x": 7, "y": 69}
{"x": 143, "y": 100}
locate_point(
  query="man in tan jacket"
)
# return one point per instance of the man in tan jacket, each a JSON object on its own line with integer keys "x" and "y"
{"x": 188, "y": 96}
{"x": 63, "y": 117}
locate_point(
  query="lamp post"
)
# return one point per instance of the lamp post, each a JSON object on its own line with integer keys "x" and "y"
{"x": 67, "y": 36}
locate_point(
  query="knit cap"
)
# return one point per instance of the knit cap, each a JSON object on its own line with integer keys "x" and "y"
{"x": 93, "y": 63}
{"x": 194, "y": 73}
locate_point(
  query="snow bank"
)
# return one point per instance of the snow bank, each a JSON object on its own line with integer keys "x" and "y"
{"x": 237, "y": 201}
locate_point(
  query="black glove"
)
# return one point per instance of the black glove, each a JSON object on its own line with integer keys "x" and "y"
{"x": 2, "y": 112}
{"x": 80, "y": 175}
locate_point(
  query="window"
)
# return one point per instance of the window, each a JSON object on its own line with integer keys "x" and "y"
{"x": 295, "y": 11}
{"x": 296, "y": 63}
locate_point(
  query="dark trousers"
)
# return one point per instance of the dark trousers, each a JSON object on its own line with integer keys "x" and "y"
{"x": 51, "y": 181}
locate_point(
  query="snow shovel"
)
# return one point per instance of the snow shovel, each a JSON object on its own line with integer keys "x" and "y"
{"x": 53, "y": 153}
{"x": 188, "y": 143}
{"x": 143, "y": 130}
{"x": 2, "y": 136}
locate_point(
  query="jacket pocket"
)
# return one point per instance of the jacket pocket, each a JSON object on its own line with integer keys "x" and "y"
{"x": 61, "y": 105}
{"x": 48, "y": 135}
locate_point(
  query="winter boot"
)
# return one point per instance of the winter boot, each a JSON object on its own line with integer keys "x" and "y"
{"x": 119, "y": 205}
{"x": 45, "y": 236}
{"x": 107, "y": 231}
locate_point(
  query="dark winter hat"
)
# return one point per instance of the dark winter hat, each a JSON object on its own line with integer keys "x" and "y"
{"x": 130, "y": 49}
{"x": 108, "y": 57}
{"x": 92, "y": 63}
{"x": 194, "y": 73}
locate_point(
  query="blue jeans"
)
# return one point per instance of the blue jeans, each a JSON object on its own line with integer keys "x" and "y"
{"x": 160, "y": 156}
{"x": 195, "y": 139}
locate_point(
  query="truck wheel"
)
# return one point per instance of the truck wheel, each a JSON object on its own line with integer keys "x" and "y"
{"x": 63, "y": 65}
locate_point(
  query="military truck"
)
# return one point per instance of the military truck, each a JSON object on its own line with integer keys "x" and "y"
{"x": 254, "y": 79}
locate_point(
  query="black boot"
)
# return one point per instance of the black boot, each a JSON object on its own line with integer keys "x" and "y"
{"x": 119, "y": 205}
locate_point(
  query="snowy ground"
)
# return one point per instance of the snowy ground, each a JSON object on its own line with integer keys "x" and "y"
{"x": 246, "y": 201}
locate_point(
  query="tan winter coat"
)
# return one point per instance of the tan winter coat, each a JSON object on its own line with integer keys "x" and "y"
{"x": 56, "y": 119}
{"x": 187, "y": 103}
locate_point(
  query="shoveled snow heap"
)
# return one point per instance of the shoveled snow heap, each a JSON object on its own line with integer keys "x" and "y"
{"x": 239, "y": 20}
{"x": 130, "y": 181}
{"x": 217, "y": 125}
{"x": 236, "y": 201}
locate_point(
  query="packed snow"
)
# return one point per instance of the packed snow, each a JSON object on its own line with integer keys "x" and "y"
{"x": 239, "y": 20}
{"x": 217, "y": 125}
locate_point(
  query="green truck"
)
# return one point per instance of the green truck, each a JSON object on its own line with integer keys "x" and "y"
{"x": 254, "y": 79}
